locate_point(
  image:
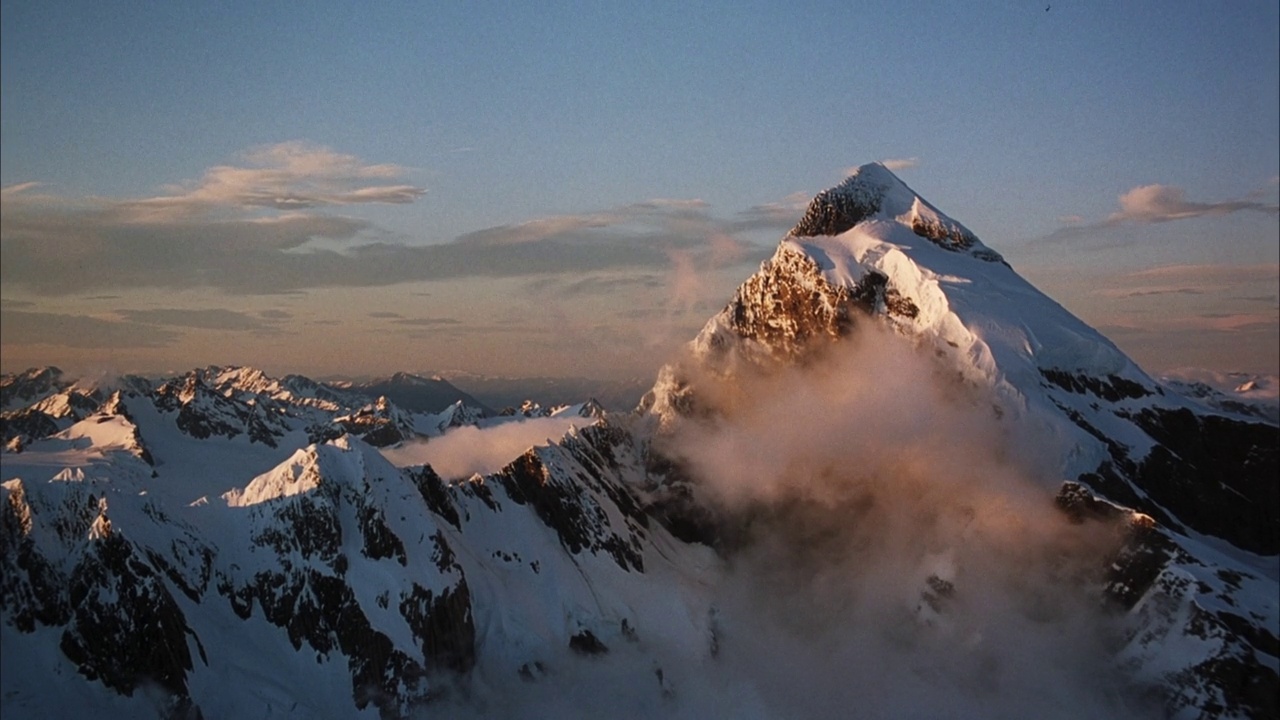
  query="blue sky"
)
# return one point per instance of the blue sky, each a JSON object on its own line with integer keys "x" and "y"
{"x": 480, "y": 179}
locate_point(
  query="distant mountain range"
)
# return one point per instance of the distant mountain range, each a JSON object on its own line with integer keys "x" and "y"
{"x": 504, "y": 392}
{"x": 416, "y": 393}
{"x": 890, "y": 479}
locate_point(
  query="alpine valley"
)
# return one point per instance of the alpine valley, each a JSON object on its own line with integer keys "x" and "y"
{"x": 889, "y": 479}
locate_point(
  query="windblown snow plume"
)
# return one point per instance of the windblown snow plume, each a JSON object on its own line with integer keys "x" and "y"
{"x": 892, "y": 548}
{"x": 467, "y": 450}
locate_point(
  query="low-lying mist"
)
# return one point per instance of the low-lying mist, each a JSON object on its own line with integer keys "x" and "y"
{"x": 464, "y": 451}
{"x": 897, "y": 549}
{"x": 892, "y": 550}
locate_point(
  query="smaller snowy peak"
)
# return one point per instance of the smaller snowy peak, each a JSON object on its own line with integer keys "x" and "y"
{"x": 300, "y": 473}
{"x": 344, "y": 466}
{"x": 532, "y": 409}
{"x": 203, "y": 411}
{"x": 416, "y": 393}
{"x": 528, "y": 408}
{"x": 1248, "y": 395}
{"x": 70, "y": 403}
{"x": 380, "y": 423}
{"x": 242, "y": 379}
{"x": 459, "y": 414}
{"x": 404, "y": 378}
{"x": 873, "y": 192}
{"x": 589, "y": 409}
{"x": 30, "y": 386}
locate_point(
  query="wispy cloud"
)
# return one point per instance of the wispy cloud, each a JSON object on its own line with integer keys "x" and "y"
{"x": 1215, "y": 273}
{"x": 1186, "y": 280}
{"x": 1147, "y": 292}
{"x": 288, "y": 176}
{"x": 1150, "y": 204}
{"x": 1165, "y": 203}
{"x": 1209, "y": 322}
{"x": 80, "y": 331}
{"x": 780, "y": 216}
{"x": 896, "y": 164}
{"x": 249, "y": 229}
{"x": 200, "y": 319}
{"x": 12, "y": 191}
{"x": 592, "y": 284}
{"x": 427, "y": 322}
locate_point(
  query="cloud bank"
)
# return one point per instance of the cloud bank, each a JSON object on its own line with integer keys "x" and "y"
{"x": 288, "y": 176}
{"x": 892, "y": 553}
{"x": 249, "y": 229}
{"x": 894, "y": 547}
{"x": 465, "y": 451}
{"x": 1184, "y": 279}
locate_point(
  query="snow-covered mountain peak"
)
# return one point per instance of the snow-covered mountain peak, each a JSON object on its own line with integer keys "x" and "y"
{"x": 871, "y": 246}
{"x": 409, "y": 379}
{"x": 29, "y": 386}
{"x": 873, "y": 193}
{"x": 242, "y": 379}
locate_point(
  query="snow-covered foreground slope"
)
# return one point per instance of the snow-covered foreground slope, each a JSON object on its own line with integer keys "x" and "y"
{"x": 890, "y": 479}
{"x": 330, "y": 585}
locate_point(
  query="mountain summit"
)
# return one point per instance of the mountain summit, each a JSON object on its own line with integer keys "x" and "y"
{"x": 873, "y": 192}
{"x": 872, "y": 247}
